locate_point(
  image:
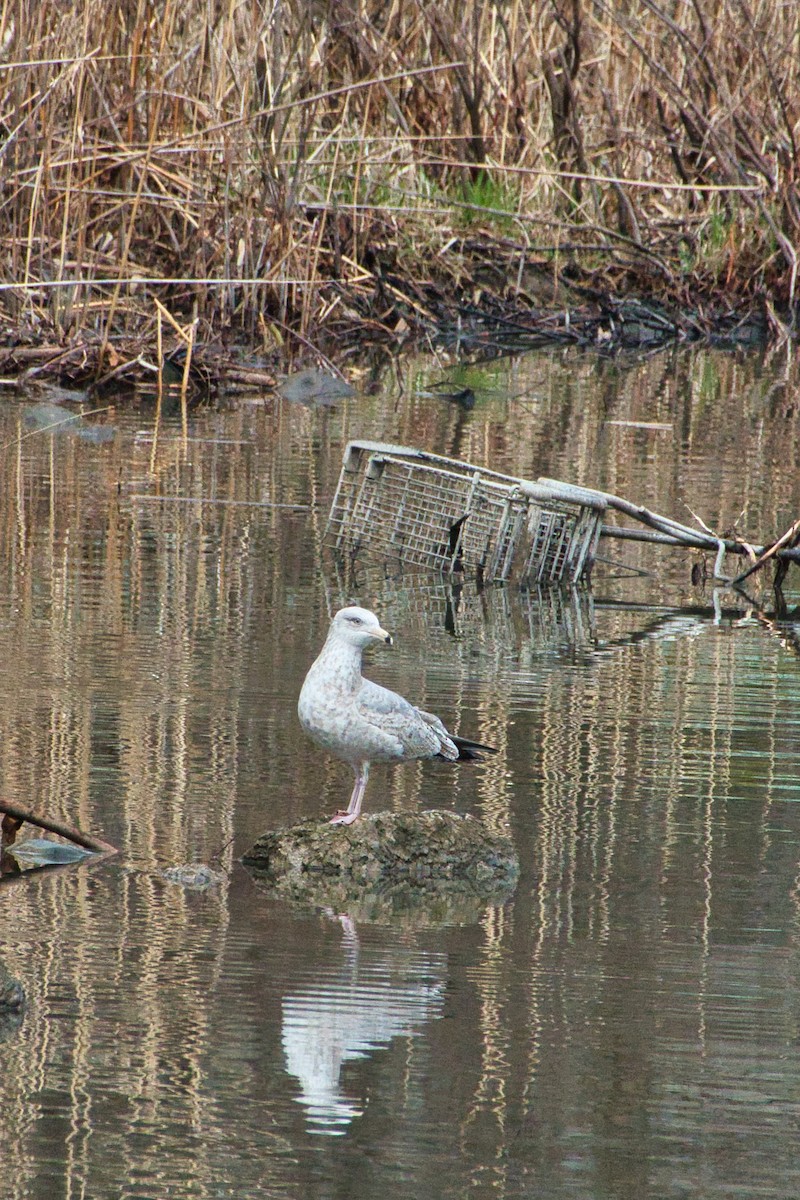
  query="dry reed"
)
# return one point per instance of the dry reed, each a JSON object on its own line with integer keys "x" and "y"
{"x": 298, "y": 169}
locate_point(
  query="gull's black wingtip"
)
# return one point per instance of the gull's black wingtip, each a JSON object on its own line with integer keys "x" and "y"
{"x": 471, "y": 751}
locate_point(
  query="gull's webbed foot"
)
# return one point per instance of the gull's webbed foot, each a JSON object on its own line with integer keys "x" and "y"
{"x": 343, "y": 818}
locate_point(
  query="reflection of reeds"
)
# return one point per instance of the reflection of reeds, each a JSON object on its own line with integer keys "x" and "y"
{"x": 646, "y": 841}
{"x": 105, "y": 1088}
{"x": 131, "y": 629}
{"x": 173, "y": 569}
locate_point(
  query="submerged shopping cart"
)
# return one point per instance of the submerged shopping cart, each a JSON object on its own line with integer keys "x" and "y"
{"x": 448, "y": 515}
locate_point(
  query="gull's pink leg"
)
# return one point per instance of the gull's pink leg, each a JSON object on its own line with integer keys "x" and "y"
{"x": 354, "y": 807}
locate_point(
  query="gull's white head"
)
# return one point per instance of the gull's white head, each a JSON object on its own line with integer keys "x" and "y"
{"x": 358, "y": 627}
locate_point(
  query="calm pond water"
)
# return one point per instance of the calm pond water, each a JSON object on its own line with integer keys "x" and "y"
{"x": 627, "y": 1026}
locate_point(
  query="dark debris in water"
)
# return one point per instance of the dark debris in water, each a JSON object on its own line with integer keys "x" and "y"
{"x": 12, "y": 1003}
{"x": 464, "y": 397}
{"x": 492, "y": 329}
{"x": 12, "y": 993}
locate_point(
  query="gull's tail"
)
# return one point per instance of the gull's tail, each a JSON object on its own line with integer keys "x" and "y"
{"x": 471, "y": 751}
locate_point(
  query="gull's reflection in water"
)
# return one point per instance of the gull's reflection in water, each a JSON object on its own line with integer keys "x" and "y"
{"x": 378, "y": 993}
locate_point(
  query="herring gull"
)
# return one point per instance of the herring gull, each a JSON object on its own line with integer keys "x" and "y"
{"x": 362, "y": 722}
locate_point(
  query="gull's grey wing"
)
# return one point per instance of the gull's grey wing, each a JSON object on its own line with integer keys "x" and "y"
{"x": 374, "y": 698}
{"x": 447, "y": 746}
{"x": 420, "y": 734}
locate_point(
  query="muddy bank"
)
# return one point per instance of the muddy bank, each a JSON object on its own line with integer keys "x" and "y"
{"x": 504, "y": 304}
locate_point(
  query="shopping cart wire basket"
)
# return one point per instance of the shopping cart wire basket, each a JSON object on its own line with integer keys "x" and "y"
{"x": 448, "y": 515}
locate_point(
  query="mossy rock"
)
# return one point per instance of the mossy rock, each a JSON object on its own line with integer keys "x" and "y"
{"x": 437, "y": 863}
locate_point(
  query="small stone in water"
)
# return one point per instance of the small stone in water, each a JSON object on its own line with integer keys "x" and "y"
{"x": 315, "y": 387}
{"x": 194, "y": 875}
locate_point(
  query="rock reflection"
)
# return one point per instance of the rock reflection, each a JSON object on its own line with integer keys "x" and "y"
{"x": 376, "y": 995}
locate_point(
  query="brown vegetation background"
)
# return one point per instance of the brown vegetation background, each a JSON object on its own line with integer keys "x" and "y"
{"x": 305, "y": 170}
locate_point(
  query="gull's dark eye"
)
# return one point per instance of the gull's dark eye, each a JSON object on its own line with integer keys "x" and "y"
{"x": 355, "y": 620}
